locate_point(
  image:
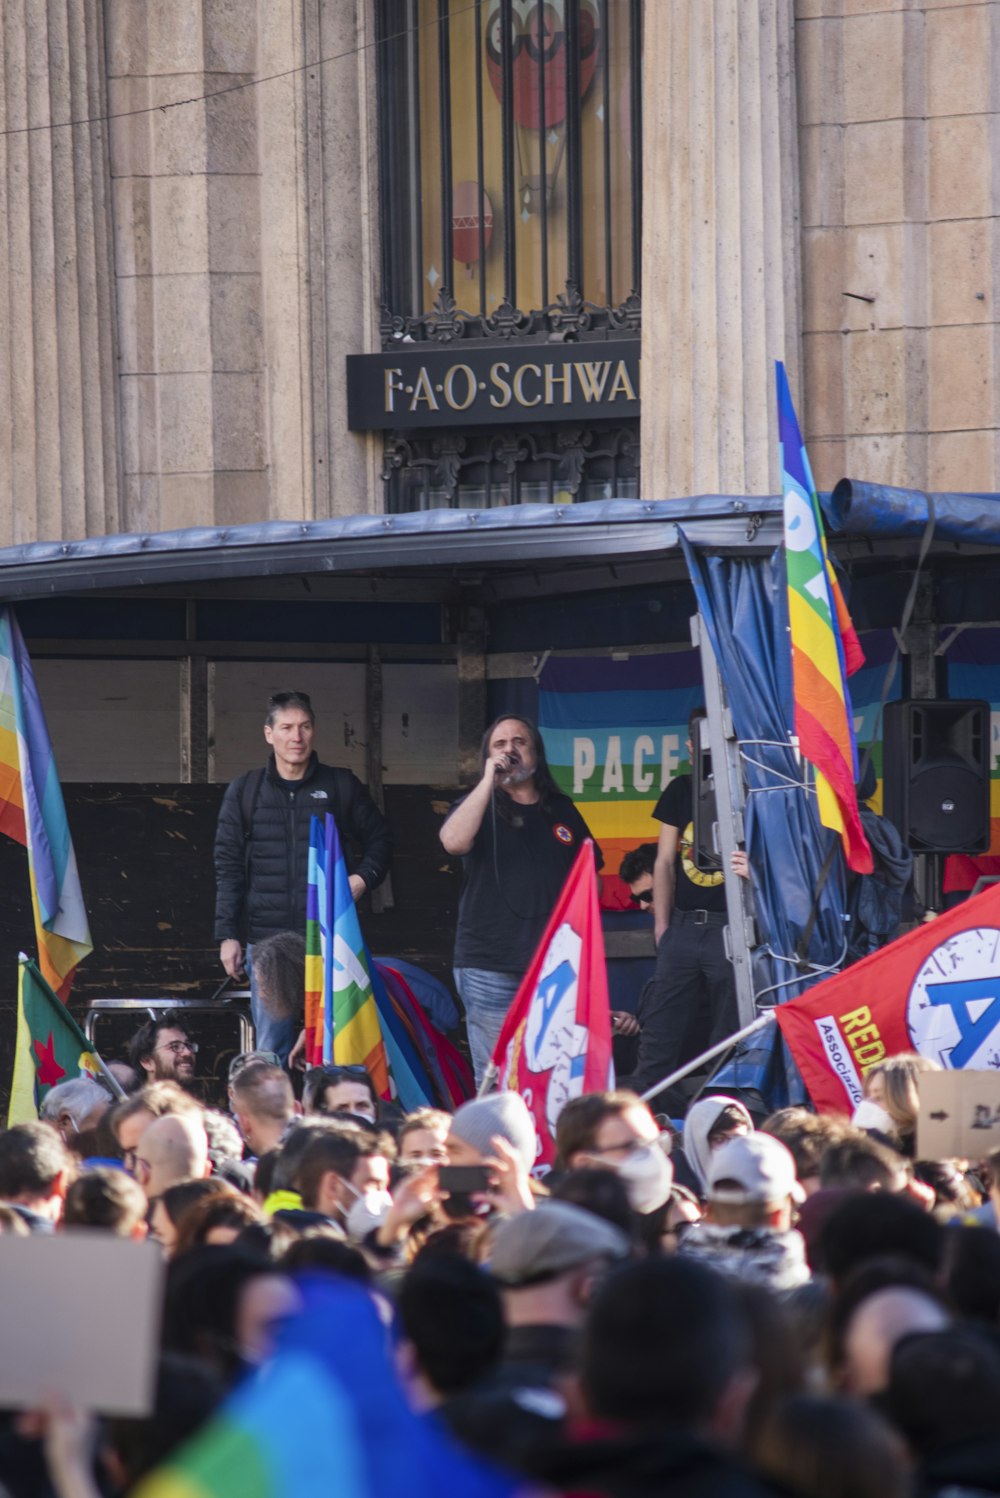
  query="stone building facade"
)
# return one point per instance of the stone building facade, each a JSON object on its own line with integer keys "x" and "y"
{"x": 192, "y": 210}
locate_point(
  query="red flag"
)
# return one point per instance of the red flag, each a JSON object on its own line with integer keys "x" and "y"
{"x": 556, "y": 1040}
{"x": 935, "y": 991}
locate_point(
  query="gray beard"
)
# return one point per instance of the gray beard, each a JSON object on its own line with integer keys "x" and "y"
{"x": 517, "y": 775}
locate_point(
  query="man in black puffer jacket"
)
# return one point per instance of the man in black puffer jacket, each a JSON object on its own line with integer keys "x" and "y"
{"x": 262, "y": 846}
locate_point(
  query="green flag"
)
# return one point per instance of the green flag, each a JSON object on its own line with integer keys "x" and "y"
{"x": 51, "y": 1048}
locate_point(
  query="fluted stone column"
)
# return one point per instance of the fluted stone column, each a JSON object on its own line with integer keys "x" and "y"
{"x": 900, "y": 138}
{"x": 58, "y": 415}
{"x": 341, "y": 204}
{"x": 187, "y": 219}
{"x": 721, "y": 259}
{"x": 242, "y": 256}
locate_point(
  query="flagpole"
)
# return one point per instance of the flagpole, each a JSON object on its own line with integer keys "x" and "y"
{"x": 489, "y": 1077}
{"x": 114, "y": 1086}
{"x": 710, "y": 1055}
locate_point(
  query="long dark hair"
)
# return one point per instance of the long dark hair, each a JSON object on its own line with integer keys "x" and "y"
{"x": 544, "y": 783}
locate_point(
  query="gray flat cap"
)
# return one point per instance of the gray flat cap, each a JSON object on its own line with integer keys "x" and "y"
{"x": 552, "y": 1239}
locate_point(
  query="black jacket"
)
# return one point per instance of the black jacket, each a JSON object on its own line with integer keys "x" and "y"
{"x": 968, "y": 1469}
{"x": 674, "y": 1465}
{"x": 261, "y": 880}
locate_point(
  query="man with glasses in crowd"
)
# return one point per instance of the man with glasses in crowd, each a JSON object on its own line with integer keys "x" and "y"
{"x": 262, "y": 848}
{"x": 162, "y": 1052}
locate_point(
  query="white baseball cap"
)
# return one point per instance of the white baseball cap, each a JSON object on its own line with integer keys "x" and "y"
{"x": 755, "y": 1168}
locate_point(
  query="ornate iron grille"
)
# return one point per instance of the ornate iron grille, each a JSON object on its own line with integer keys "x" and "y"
{"x": 510, "y": 157}
{"x": 525, "y": 465}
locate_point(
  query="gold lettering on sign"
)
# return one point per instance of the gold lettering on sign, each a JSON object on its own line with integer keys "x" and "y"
{"x": 470, "y": 387}
{"x": 592, "y": 378}
{"x": 519, "y": 394}
{"x": 621, "y": 382}
{"x": 393, "y": 382}
{"x": 497, "y": 372}
{"x": 565, "y": 380}
{"x": 423, "y": 390}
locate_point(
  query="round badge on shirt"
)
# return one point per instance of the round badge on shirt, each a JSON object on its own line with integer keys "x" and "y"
{"x": 562, "y": 832}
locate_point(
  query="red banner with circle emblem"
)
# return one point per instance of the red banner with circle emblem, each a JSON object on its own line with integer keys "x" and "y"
{"x": 556, "y": 1040}
{"x": 935, "y": 991}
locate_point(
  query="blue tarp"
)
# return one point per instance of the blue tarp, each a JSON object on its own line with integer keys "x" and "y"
{"x": 743, "y": 603}
{"x": 876, "y": 510}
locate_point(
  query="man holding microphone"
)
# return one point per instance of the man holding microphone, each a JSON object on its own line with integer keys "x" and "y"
{"x": 518, "y": 837}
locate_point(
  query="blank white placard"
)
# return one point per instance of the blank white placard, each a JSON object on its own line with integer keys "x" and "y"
{"x": 79, "y": 1321}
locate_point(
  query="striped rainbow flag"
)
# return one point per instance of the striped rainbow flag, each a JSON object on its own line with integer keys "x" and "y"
{"x": 326, "y": 1415}
{"x": 32, "y": 812}
{"x": 615, "y": 733}
{"x": 825, "y": 647}
{"x": 342, "y": 1024}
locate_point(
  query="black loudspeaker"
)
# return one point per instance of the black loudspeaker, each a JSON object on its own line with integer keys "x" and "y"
{"x": 936, "y": 774}
{"x": 705, "y": 816}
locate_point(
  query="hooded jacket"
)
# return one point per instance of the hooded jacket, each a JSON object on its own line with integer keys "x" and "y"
{"x": 698, "y": 1124}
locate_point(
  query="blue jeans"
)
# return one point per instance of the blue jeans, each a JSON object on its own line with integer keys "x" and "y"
{"x": 272, "y": 1033}
{"x": 486, "y": 997}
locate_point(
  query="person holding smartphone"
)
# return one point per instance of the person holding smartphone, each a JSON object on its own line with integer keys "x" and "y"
{"x": 518, "y": 837}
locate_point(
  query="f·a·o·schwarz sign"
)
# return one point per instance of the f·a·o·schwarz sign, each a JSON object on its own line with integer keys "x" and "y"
{"x": 422, "y": 387}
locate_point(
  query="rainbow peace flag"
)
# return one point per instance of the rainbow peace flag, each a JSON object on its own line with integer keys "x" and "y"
{"x": 825, "y": 648}
{"x": 615, "y": 733}
{"x": 32, "y": 812}
{"x": 326, "y": 1415}
{"x": 342, "y": 1024}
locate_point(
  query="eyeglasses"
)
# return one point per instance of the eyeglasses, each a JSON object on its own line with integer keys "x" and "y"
{"x": 629, "y": 1146}
{"x": 644, "y": 897}
{"x": 175, "y": 1047}
{"x": 245, "y": 1058}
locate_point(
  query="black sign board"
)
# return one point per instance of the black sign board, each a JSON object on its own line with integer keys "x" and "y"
{"x": 477, "y": 385}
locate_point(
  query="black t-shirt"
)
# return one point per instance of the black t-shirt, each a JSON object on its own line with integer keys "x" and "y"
{"x": 694, "y": 890}
{"x": 511, "y": 885}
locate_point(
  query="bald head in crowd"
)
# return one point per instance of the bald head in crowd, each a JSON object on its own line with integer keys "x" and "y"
{"x": 263, "y": 1105}
{"x": 880, "y": 1322}
{"x": 172, "y": 1149}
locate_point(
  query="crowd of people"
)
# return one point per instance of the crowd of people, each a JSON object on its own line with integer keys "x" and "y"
{"x": 728, "y": 1307}
{"x": 698, "y": 1303}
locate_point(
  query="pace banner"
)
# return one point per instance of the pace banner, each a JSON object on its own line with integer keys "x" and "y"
{"x": 615, "y": 734}
{"x": 556, "y": 1040}
{"x": 935, "y": 991}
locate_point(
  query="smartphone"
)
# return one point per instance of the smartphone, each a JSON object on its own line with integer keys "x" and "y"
{"x": 464, "y": 1180}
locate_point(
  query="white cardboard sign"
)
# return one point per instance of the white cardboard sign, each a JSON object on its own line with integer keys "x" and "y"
{"x": 959, "y": 1114}
{"x": 79, "y": 1321}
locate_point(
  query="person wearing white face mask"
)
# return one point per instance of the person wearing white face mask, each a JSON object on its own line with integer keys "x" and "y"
{"x": 341, "y": 1169}
{"x": 616, "y": 1130}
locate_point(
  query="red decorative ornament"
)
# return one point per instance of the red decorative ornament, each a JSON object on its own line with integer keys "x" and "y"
{"x": 465, "y": 199}
{"x": 539, "y": 42}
